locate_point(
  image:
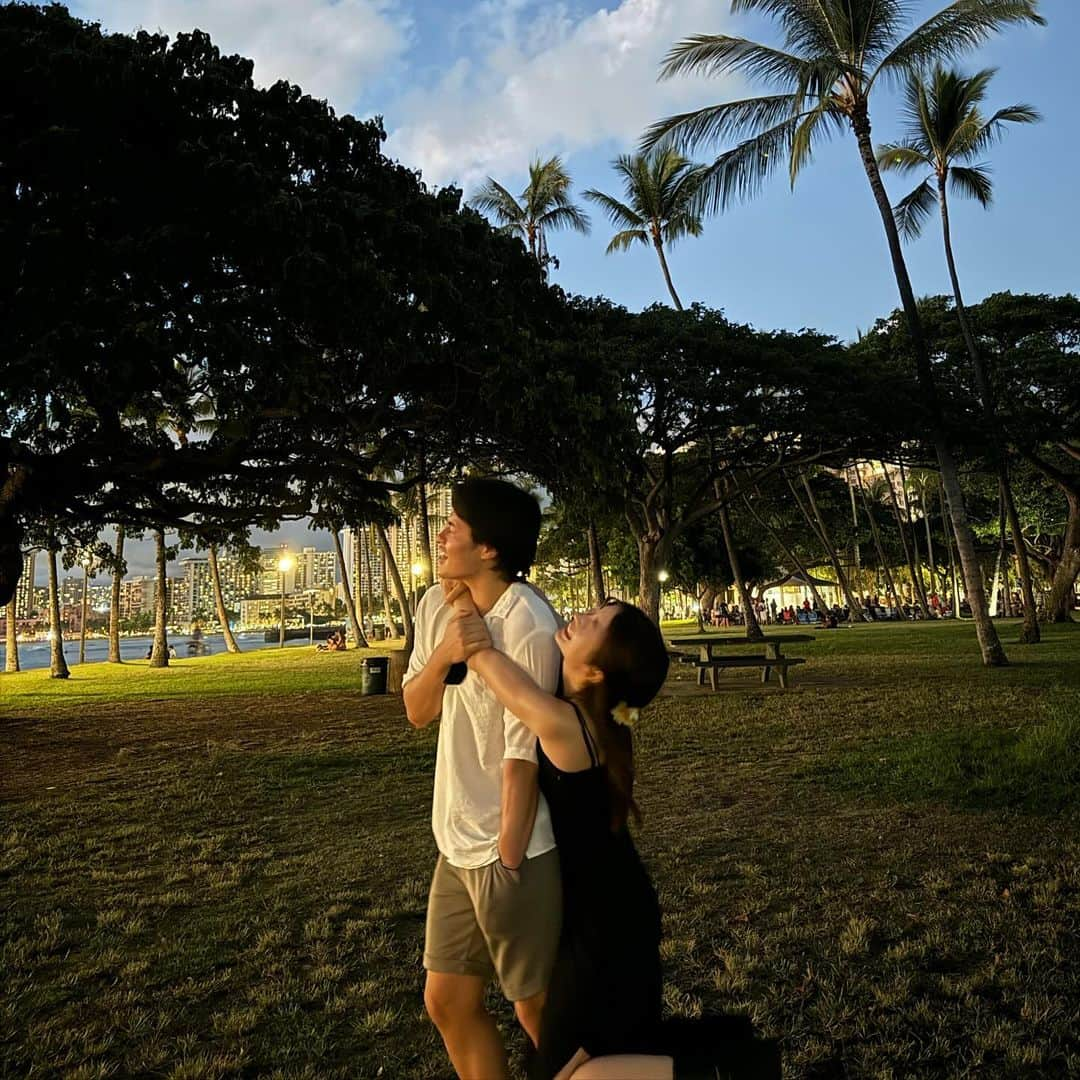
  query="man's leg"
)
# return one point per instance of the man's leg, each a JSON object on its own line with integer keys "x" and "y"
{"x": 529, "y": 1012}
{"x": 456, "y": 1004}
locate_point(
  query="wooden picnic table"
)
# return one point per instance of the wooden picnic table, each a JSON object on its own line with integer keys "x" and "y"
{"x": 773, "y": 658}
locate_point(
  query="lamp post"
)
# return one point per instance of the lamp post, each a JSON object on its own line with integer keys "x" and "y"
{"x": 311, "y": 615}
{"x": 285, "y": 564}
{"x": 662, "y": 578}
{"x": 416, "y": 570}
{"x": 87, "y": 562}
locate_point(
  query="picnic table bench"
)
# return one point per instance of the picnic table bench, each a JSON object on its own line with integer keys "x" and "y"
{"x": 772, "y": 660}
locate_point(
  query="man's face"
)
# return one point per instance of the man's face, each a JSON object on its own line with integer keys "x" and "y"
{"x": 458, "y": 555}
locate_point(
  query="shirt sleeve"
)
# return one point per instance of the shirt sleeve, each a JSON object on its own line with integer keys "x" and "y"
{"x": 538, "y": 654}
{"x": 429, "y": 604}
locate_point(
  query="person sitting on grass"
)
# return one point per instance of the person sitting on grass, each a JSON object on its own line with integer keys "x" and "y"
{"x": 601, "y": 1017}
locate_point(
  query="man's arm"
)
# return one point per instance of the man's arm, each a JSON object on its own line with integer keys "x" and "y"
{"x": 520, "y": 797}
{"x": 423, "y": 693}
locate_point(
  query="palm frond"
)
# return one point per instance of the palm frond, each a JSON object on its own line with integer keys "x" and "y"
{"x": 956, "y": 29}
{"x": 618, "y": 213}
{"x": 626, "y": 239}
{"x": 715, "y": 123}
{"x": 740, "y": 173}
{"x": 564, "y": 216}
{"x": 494, "y": 199}
{"x": 802, "y": 144}
{"x": 717, "y": 54}
{"x": 686, "y": 223}
{"x": 804, "y": 26}
{"x": 973, "y": 182}
{"x": 902, "y": 158}
{"x": 913, "y": 211}
{"x": 994, "y": 128}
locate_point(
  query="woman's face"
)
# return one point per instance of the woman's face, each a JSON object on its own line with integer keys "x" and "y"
{"x": 580, "y": 640}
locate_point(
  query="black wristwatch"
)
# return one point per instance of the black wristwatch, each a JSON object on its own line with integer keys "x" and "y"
{"x": 456, "y": 675}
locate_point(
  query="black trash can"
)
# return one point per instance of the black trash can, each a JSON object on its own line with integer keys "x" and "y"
{"x": 373, "y": 672}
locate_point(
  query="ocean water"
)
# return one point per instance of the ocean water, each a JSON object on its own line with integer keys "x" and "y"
{"x": 36, "y": 654}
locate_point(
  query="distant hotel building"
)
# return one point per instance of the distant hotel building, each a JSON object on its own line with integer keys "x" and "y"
{"x": 25, "y": 604}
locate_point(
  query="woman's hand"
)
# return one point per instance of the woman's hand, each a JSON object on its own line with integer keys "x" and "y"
{"x": 466, "y": 634}
{"x": 457, "y": 595}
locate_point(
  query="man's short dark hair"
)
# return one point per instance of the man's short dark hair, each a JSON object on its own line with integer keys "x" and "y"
{"x": 502, "y": 515}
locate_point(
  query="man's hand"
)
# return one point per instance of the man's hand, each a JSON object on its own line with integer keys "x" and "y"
{"x": 466, "y": 633}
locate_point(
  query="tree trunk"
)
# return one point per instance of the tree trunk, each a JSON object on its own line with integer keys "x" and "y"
{"x": 993, "y": 655}
{"x": 596, "y": 566}
{"x": 753, "y": 629}
{"x": 388, "y": 608}
{"x": 817, "y": 523}
{"x": 350, "y": 606}
{"x": 1030, "y": 634}
{"x": 159, "y": 654}
{"x": 114, "y": 600}
{"x": 919, "y": 584}
{"x": 929, "y": 541}
{"x": 428, "y": 573}
{"x": 894, "y": 503}
{"x": 219, "y": 601}
{"x": 1059, "y": 603}
{"x": 789, "y": 552}
{"x": 878, "y": 547}
{"x": 58, "y": 668}
{"x": 399, "y": 588}
{"x": 11, "y": 650}
{"x": 659, "y": 245}
{"x": 648, "y": 581}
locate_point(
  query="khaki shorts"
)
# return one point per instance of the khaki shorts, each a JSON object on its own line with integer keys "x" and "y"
{"x": 491, "y": 920}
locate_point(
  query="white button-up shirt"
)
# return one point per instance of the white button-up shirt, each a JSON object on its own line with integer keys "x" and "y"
{"x": 476, "y": 733}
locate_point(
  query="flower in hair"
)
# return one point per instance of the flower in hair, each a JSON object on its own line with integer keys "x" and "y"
{"x": 625, "y": 715}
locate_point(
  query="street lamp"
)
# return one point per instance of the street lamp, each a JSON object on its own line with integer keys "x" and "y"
{"x": 311, "y": 615}
{"x": 663, "y": 576}
{"x": 285, "y": 564}
{"x": 417, "y": 569}
{"x": 87, "y": 563}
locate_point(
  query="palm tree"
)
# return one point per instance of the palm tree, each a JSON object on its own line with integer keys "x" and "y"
{"x": 159, "y": 651}
{"x": 543, "y": 207}
{"x": 947, "y": 134}
{"x": 836, "y": 52}
{"x": 660, "y": 189}
{"x": 219, "y": 599}
{"x": 11, "y": 653}
{"x": 114, "y": 599}
{"x": 347, "y": 593}
{"x": 58, "y": 668}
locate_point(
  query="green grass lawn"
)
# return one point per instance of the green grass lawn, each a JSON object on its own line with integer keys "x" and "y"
{"x": 220, "y": 868}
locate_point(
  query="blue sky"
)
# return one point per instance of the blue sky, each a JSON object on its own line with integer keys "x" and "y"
{"x": 476, "y": 88}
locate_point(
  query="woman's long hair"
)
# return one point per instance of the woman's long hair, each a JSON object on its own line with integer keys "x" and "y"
{"x": 634, "y": 661}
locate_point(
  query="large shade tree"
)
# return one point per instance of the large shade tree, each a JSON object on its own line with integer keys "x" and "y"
{"x": 267, "y": 251}
{"x": 835, "y": 54}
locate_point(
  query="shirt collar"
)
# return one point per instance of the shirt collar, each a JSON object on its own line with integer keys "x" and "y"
{"x": 501, "y": 608}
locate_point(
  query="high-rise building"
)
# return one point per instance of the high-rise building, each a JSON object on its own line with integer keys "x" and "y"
{"x": 315, "y": 570}
{"x": 269, "y": 581}
{"x": 24, "y": 591}
{"x": 196, "y": 594}
{"x": 363, "y": 563}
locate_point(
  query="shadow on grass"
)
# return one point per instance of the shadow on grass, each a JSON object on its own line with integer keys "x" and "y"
{"x": 1035, "y": 769}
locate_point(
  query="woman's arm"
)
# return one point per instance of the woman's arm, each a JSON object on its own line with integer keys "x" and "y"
{"x": 545, "y": 715}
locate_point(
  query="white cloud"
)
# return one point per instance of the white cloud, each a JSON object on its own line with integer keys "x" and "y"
{"x": 541, "y": 80}
{"x": 330, "y": 48}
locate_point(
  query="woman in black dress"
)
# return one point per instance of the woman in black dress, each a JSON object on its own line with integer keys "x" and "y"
{"x": 602, "y": 1014}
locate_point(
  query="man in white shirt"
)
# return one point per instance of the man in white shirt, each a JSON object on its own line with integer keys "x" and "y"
{"x": 495, "y": 905}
